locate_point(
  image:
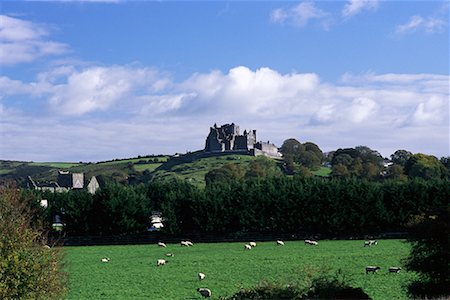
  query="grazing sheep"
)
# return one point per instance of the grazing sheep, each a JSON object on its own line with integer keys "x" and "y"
{"x": 280, "y": 243}
{"x": 169, "y": 254}
{"x": 161, "y": 244}
{"x": 247, "y": 247}
{"x": 105, "y": 259}
{"x": 189, "y": 243}
{"x": 394, "y": 269}
{"x": 253, "y": 244}
{"x": 161, "y": 262}
{"x": 184, "y": 243}
{"x": 372, "y": 269}
{"x": 201, "y": 276}
{"x": 370, "y": 243}
{"x": 204, "y": 292}
{"x": 310, "y": 242}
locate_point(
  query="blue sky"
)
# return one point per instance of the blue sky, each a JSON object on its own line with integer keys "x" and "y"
{"x": 96, "y": 80}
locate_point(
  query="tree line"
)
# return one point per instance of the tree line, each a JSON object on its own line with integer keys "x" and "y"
{"x": 332, "y": 207}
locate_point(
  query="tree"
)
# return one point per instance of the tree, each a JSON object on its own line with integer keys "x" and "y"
{"x": 292, "y": 148}
{"x": 396, "y": 172}
{"x": 400, "y": 157}
{"x": 340, "y": 170}
{"x": 445, "y": 161}
{"x": 430, "y": 253}
{"x": 262, "y": 167}
{"x": 424, "y": 166}
{"x": 295, "y": 153}
{"x": 28, "y": 269}
{"x": 226, "y": 173}
{"x": 360, "y": 161}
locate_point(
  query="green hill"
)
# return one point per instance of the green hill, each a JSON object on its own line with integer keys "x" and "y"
{"x": 194, "y": 166}
{"x": 191, "y": 167}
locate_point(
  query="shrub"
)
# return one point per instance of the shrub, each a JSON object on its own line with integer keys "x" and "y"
{"x": 267, "y": 290}
{"x": 28, "y": 269}
{"x": 308, "y": 286}
{"x": 430, "y": 254}
{"x": 334, "y": 288}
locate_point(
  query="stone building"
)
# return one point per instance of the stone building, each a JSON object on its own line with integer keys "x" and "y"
{"x": 227, "y": 138}
{"x": 65, "y": 181}
{"x": 70, "y": 180}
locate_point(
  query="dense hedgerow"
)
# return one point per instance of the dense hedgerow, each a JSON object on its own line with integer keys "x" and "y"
{"x": 28, "y": 269}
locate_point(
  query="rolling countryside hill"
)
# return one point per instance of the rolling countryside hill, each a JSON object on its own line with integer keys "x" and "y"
{"x": 191, "y": 167}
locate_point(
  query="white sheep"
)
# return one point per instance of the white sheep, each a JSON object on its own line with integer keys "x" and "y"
{"x": 371, "y": 269}
{"x": 184, "y": 243}
{"x": 310, "y": 242}
{"x": 280, "y": 243}
{"x": 189, "y": 243}
{"x": 370, "y": 243}
{"x": 253, "y": 244}
{"x": 169, "y": 254}
{"x": 201, "y": 276}
{"x": 394, "y": 269}
{"x": 204, "y": 292}
{"x": 161, "y": 244}
{"x": 161, "y": 262}
{"x": 105, "y": 259}
{"x": 247, "y": 247}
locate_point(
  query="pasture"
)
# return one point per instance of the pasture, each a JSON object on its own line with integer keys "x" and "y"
{"x": 132, "y": 272}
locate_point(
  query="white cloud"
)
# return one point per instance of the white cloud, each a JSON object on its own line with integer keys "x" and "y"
{"x": 24, "y": 41}
{"x": 354, "y": 7}
{"x": 383, "y": 111}
{"x": 361, "y": 109}
{"x": 99, "y": 88}
{"x": 299, "y": 15}
{"x": 418, "y": 23}
{"x": 431, "y": 111}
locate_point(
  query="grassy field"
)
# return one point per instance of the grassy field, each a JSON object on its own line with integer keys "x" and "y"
{"x": 323, "y": 171}
{"x": 193, "y": 167}
{"x": 132, "y": 272}
{"x": 146, "y": 167}
{"x": 58, "y": 165}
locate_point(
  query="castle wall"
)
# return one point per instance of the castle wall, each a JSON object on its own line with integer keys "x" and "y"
{"x": 227, "y": 138}
{"x": 267, "y": 149}
{"x": 241, "y": 143}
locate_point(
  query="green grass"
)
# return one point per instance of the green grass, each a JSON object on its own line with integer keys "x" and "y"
{"x": 59, "y": 165}
{"x": 323, "y": 171}
{"x": 133, "y": 160}
{"x": 193, "y": 167}
{"x": 146, "y": 167}
{"x": 132, "y": 271}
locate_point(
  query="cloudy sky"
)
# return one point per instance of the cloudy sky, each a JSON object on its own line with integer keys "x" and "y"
{"x": 97, "y": 80}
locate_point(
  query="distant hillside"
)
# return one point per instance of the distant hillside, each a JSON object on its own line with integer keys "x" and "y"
{"x": 120, "y": 170}
{"x": 191, "y": 167}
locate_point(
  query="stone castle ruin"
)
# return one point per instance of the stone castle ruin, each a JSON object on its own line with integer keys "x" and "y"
{"x": 227, "y": 138}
